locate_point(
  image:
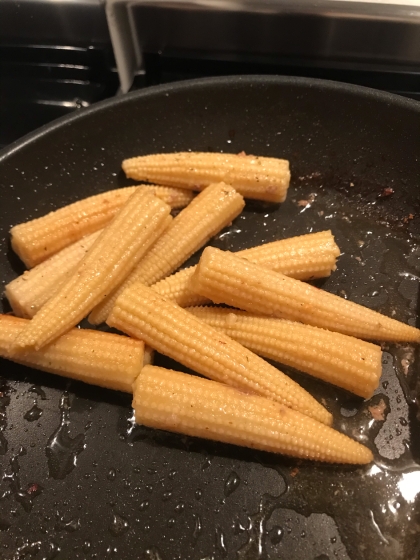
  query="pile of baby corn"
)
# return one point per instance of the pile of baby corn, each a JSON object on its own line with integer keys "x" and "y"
{"x": 111, "y": 257}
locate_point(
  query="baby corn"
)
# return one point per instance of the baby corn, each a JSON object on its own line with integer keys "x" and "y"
{"x": 177, "y": 402}
{"x": 176, "y": 198}
{"x": 111, "y": 258}
{"x": 163, "y": 325}
{"x": 176, "y": 288}
{"x": 108, "y": 360}
{"x": 345, "y": 361}
{"x": 30, "y": 291}
{"x": 210, "y": 211}
{"x": 254, "y": 177}
{"x": 35, "y": 241}
{"x": 304, "y": 257}
{"x": 226, "y": 278}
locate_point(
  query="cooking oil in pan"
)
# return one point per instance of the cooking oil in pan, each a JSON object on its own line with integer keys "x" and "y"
{"x": 371, "y": 512}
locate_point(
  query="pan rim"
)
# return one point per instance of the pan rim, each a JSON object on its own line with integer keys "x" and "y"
{"x": 179, "y": 86}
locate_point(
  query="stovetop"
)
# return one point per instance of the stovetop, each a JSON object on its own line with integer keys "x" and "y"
{"x": 58, "y": 57}
{"x": 40, "y": 83}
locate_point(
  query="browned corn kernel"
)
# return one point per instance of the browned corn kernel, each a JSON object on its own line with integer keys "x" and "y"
{"x": 304, "y": 257}
{"x": 345, "y": 361}
{"x": 108, "y": 360}
{"x": 226, "y": 278}
{"x": 254, "y": 177}
{"x": 169, "y": 400}
{"x": 30, "y": 291}
{"x": 37, "y": 240}
{"x": 208, "y": 213}
{"x": 111, "y": 258}
{"x": 163, "y": 325}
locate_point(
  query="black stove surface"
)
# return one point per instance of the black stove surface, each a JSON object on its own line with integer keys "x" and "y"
{"x": 171, "y": 65}
{"x": 39, "y": 83}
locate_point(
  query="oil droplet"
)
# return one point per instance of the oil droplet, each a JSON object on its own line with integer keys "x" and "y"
{"x": 62, "y": 450}
{"x": 198, "y": 494}
{"x": 112, "y": 474}
{"x": 179, "y": 508}
{"x": 53, "y": 551}
{"x": 144, "y": 505}
{"x": 255, "y": 547}
{"x": 276, "y": 535}
{"x": 33, "y": 414}
{"x": 149, "y": 488}
{"x": 206, "y": 464}
{"x": 86, "y": 546}
{"x": 197, "y": 527}
{"x": 232, "y": 483}
{"x": 237, "y": 527}
{"x": 27, "y": 549}
{"x": 23, "y": 497}
{"x": 394, "y": 505}
{"x": 166, "y": 496}
{"x": 70, "y": 526}
{"x": 118, "y": 526}
{"x": 220, "y": 542}
{"x": 171, "y": 522}
{"x": 38, "y": 391}
{"x": 152, "y": 554}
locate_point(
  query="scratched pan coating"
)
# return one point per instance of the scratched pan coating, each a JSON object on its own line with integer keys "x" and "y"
{"x": 79, "y": 480}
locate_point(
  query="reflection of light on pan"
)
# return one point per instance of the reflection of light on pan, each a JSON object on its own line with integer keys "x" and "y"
{"x": 409, "y": 486}
{"x": 373, "y": 469}
{"x": 409, "y": 275}
{"x": 378, "y": 530}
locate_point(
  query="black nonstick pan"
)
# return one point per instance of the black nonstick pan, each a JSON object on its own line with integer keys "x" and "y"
{"x": 80, "y": 480}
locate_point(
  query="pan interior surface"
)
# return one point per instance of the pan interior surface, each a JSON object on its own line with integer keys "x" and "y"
{"x": 80, "y": 480}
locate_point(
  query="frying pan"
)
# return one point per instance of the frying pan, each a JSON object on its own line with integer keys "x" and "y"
{"x": 80, "y": 480}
